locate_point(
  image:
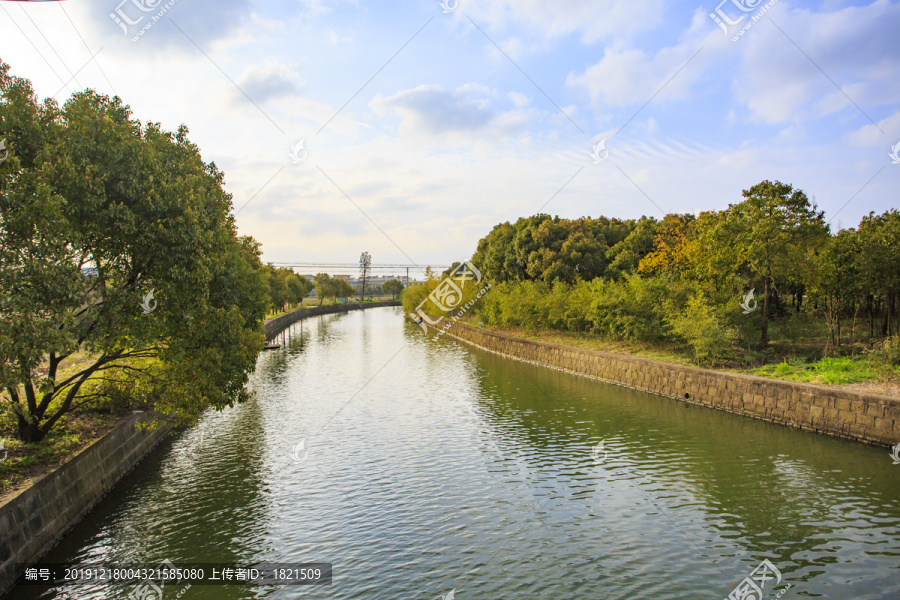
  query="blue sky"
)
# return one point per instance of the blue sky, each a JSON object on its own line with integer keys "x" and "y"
{"x": 422, "y": 128}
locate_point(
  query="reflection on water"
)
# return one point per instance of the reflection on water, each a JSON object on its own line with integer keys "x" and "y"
{"x": 428, "y": 467}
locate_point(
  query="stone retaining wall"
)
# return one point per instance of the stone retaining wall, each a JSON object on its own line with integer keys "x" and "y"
{"x": 274, "y": 326}
{"x": 865, "y": 417}
{"x": 33, "y": 520}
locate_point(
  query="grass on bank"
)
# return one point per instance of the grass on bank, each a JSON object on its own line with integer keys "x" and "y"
{"x": 70, "y": 435}
{"x": 827, "y": 371}
{"x": 73, "y": 432}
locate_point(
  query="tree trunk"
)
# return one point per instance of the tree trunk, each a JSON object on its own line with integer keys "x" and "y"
{"x": 895, "y": 312}
{"x": 837, "y": 329}
{"x": 829, "y": 321}
{"x": 853, "y": 327}
{"x": 764, "y": 338}
{"x": 889, "y": 314}
{"x": 870, "y": 308}
{"x": 30, "y": 432}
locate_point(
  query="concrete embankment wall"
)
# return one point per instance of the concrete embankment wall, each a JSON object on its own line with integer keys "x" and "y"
{"x": 865, "y": 417}
{"x": 33, "y": 520}
{"x": 274, "y": 326}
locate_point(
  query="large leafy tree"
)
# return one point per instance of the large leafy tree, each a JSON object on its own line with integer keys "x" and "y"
{"x": 393, "y": 287}
{"x": 772, "y": 236}
{"x": 670, "y": 247}
{"x": 335, "y": 287}
{"x": 495, "y": 253}
{"x": 835, "y": 281}
{"x": 285, "y": 287}
{"x": 625, "y": 256}
{"x": 96, "y": 212}
{"x": 549, "y": 249}
{"x": 298, "y": 287}
{"x": 879, "y": 240}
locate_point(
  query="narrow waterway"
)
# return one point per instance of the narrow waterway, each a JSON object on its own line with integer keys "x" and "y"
{"x": 429, "y": 467}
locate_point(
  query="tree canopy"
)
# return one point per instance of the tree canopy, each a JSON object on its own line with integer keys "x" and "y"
{"x": 393, "y": 287}
{"x": 695, "y": 279}
{"x": 286, "y": 288}
{"x": 117, "y": 241}
{"x": 769, "y": 238}
{"x": 545, "y": 248}
{"x": 333, "y": 287}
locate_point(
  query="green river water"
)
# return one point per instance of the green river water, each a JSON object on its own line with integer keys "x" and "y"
{"x": 433, "y": 470}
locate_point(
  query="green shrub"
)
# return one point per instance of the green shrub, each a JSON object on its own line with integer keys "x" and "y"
{"x": 516, "y": 304}
{"x": 784, "y": 369}
{"x": 885, "y": 358}
{"x": 636, "y": 308}
{"x": 705, "y": 330}
{"x": 569, "y": 305}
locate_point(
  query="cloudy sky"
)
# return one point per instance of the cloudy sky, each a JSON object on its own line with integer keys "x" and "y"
{"x": 423, "y": 126}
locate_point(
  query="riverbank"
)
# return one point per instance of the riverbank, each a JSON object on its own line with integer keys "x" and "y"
{"x": 34, "y": 519}
{"x": 843, "y": 373}
{"x": 21, "y": 463}
{"x": 274, "y": 326}
{"x": 313, "y": 302}
{"x": 865, "y": 417}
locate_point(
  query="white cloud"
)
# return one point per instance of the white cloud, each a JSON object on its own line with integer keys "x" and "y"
{"x": 334, "y": 37}
{"x": 592, "y": 21}
{"x": 633, "y": 76}
{"x": 272, "y": 81}
{"x": 465, "y": 114}
{"x": 518, "y": 99}
{"x": 869, "y": 136}
{"x": 855, "y": 46}
{"x": 203, "y": 20}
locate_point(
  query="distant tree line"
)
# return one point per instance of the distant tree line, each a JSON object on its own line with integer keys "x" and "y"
{"x": 286, "y": 288}
{"x": 688, "y": 279}
{"x": 332, "y": 287}
{"x": 394, "y": 287}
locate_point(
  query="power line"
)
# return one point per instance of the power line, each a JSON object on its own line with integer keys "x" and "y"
{"x": 51, "y": 45}
{"x": 354, "y": 265}
{"x": 36, "y": 49}
{"x": 87, "y": 48}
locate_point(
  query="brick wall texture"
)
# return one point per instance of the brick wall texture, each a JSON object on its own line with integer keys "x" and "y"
{"x": 33, "y": 520}
{"x": 274, "y": 326}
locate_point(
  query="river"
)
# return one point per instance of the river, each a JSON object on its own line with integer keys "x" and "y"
{"x": 429, "y": 469}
